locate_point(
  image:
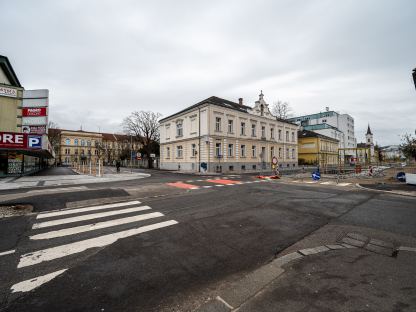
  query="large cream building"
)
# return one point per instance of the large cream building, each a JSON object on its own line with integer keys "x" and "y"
{"x": 217, "y": 135}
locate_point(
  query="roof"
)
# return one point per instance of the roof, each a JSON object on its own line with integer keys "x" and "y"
{"x": 369, "y": 130}
{"x": 105, "y": 136}
{"x": 9, "y": 72}
{"x": 214, "y": 100}
{"x": 311, "y": 134}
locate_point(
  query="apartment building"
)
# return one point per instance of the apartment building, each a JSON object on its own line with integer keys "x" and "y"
{"x": 218, "y": 135}
{"x": 317, "y": 149}
{"x": 78, "y": 146}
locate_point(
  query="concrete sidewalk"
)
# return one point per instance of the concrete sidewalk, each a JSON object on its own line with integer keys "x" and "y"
{"x": 362, "y": 270}
{"x": 59, "y": 180}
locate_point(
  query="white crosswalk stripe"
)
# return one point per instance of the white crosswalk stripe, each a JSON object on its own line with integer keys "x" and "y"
{"x": 88, "y": 217}
{"x": 111, "y": 231}
{"x": 78, "y": 210}
{"x": 49, "y": 254}
{"x": 95, "y": 226}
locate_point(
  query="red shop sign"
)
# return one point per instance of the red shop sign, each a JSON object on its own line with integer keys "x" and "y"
{"x": 33, "y": 111}
{"x": 13, "y": 140}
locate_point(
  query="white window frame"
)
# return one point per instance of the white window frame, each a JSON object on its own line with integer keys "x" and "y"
{"x": 230, "y": 126}
{"x": 217, "y": 149}
{"x": 243, "y": 128}
{"x": 218, "y": 124}
{"x": 230, "y": 150}
{"x": 243, "y": 150}
{"x": 179, "y": 151}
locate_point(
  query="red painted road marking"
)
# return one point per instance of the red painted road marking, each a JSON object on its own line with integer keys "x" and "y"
{"x": 183, "y": 185}
{"x": 223, "y": 181}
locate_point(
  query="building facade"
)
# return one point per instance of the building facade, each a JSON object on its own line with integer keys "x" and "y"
{"x": 78, "y": 146}
{"x": 21, "y": 152}
{"x": 331, "y": 124}
{"x": 317, "y": 149}
{"x": 217, "y": 135}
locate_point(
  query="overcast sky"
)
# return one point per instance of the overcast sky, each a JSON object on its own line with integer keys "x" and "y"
{"x": 102, "y": 60}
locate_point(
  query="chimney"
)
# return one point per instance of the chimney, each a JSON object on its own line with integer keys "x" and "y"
{"x": 240, "y": 101}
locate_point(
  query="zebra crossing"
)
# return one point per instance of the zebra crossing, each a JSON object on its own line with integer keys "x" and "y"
{"x": 58, "y": 238}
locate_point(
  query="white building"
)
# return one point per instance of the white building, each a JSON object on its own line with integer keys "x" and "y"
{"x": 217, "y": 135}
{"x": 332, "y": 124}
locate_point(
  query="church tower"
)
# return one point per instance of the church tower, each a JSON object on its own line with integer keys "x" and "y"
{"x": 370, "y": 143}
{"x": 369, "y": 136}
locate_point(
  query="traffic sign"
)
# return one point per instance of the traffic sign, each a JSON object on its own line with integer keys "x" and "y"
{"x": 316, "y": 175}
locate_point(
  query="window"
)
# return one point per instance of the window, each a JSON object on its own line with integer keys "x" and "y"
{"x": 76, "y": 152}
{"x": 271, "y": 133}
{"x": 293, "y": 137}
{"x": 287, "y": 153}
{"x": 67, "y": 141}
{"x": 243, "y": 167}
{"x": 89, "y": 143}
{"x": 293, "y": 153}
{"x": 217, "y": 124}
{"x": 263, "y": 131}
{"x": 253, "y": 130}
{"x": 253, "y": 151}
{"x": 230, "y": 126}
{"x": 287, "y": 136}
{"x": 82, "y": 142}
{"x": 230, "y": 150}
{"x": 193, "y": 125}
{"x": 167, "y": 152}
{"x": 243, "y": 151}
{"x": 218, "y": 149}
{"x": 76, "y": 141}
{"x": 230, "y": 168}
{"x": 193, "y": 149}
{"x": 179, "y": 151}
{"x": 82, "y": 152}
{"x": 280, "y": 152}
{"x": 280, "y": 134}
{"x": 243, "y": 128}
{"x": 167, "y": 132}
{"x": 96, "y": 152}
{"x": 323, "y": 120}
{"x": 271, "y": 152}
{"x": 179, "y": 129}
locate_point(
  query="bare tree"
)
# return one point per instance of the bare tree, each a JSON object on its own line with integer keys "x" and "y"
{"x": 54, "y": 136}
{"x": 281, "y": 110}
{"x": 145, "y": 127}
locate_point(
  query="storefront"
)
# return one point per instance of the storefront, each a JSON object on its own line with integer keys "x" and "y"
{"x": 23, "y": 154}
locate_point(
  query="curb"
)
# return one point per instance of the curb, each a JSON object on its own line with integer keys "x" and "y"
{"x": 248, "y": 286}
{"x": 388, "y": 192}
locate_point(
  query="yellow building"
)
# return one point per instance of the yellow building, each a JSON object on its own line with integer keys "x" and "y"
{"x": 317, "y": 149}
{"x": 78, "y": 146}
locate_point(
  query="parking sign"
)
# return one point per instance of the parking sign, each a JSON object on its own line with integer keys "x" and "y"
{"x": 34, "y": 141}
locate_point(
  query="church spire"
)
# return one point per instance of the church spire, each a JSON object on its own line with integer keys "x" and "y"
{"x": 369, "y": 130}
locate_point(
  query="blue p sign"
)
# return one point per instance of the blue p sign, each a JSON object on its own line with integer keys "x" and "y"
{"x": 34, "y": 141}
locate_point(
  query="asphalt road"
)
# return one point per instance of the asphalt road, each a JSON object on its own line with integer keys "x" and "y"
{"x": 221, "y": 233}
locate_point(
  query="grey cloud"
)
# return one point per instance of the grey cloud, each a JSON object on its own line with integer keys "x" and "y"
{"x": 101, "y": 59}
